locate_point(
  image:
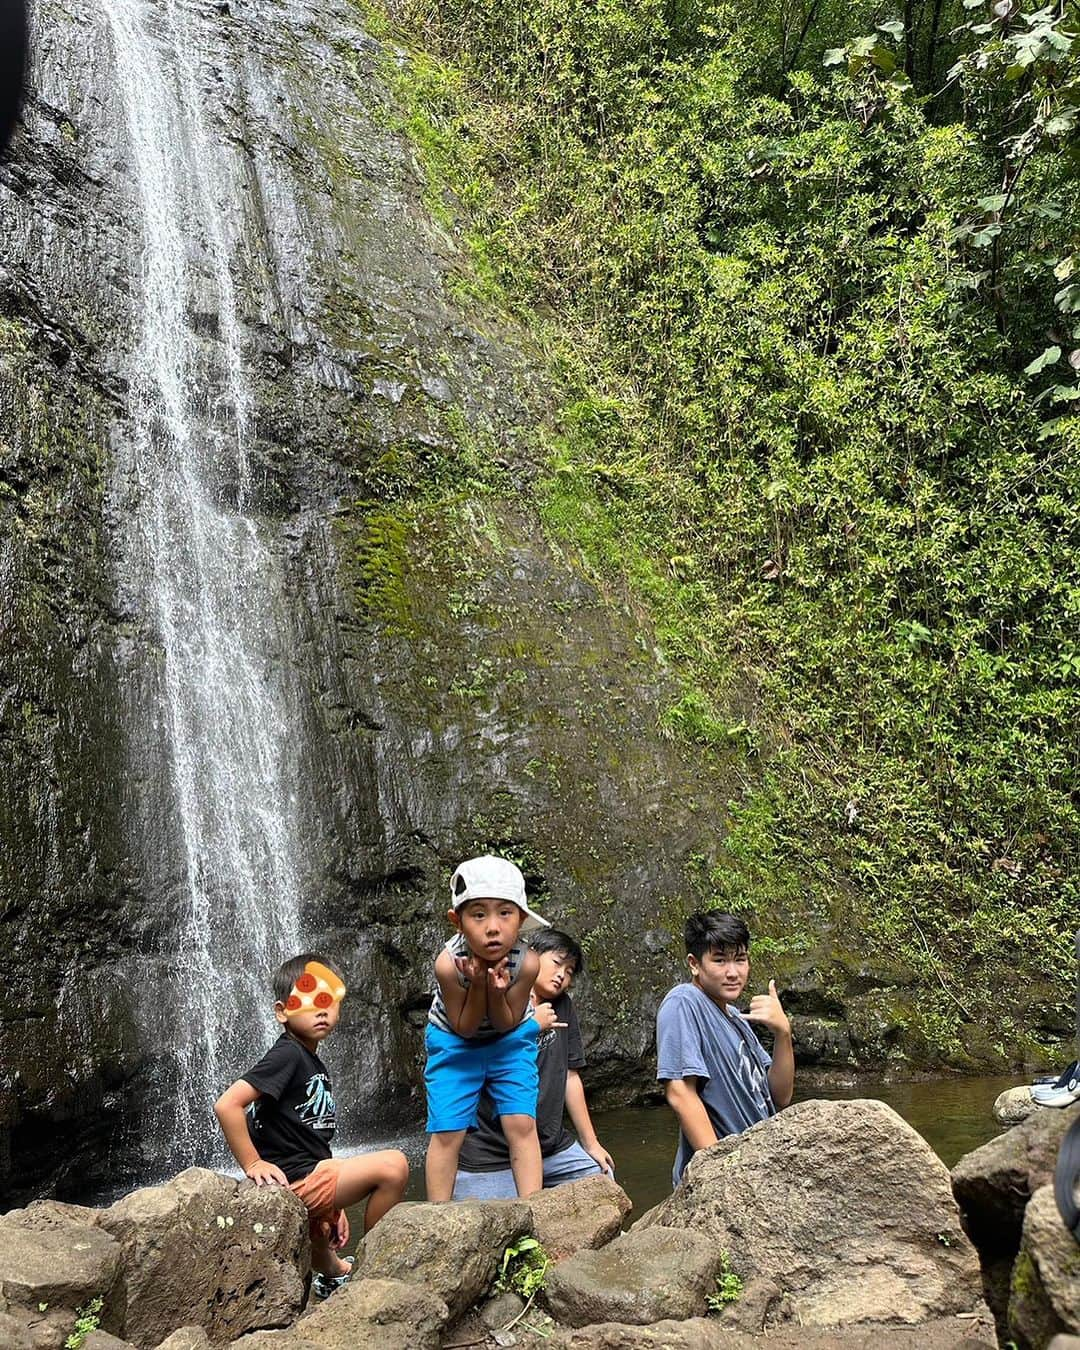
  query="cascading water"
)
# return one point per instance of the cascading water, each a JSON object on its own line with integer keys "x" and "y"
{"x": 203, "y": 575}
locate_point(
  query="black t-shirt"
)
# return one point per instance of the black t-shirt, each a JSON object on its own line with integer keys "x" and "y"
{"x": 293, "y": 1121}
{"x": 484, "y": 1148}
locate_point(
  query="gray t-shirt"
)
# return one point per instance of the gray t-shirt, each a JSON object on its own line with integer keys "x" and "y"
{"x": 697, "y": 1038}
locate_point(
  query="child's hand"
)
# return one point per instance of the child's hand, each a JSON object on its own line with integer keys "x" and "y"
{"x": 767, "y": 1010}
{"x": 498, "y": 976}
{"x": 599, "y": 1154}
{"x": 266, "y": 1174}
{"x": 339, "y": 1234}
{"x": 472, "y": 967}
{"x": 546, "y": 1017}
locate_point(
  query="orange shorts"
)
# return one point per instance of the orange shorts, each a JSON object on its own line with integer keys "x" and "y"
{"x": 318, "y": 1190}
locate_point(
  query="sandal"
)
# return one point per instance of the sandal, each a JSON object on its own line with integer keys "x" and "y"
{"x": 322, "y": 1286}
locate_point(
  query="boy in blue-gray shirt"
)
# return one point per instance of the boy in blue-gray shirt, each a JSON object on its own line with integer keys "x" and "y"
{"x": 718, "y": 1078}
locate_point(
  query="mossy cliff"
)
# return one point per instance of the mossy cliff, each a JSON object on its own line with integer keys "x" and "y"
{"x": 493, "y": 651}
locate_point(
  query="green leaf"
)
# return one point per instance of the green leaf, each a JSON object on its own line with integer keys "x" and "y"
{"x": 892, "y": 28}
{"x": 1049, "y": 356}
{"x": 994, "y": 203}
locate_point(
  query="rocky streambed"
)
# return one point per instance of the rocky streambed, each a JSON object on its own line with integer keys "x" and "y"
{"x": 831, "y": 1225}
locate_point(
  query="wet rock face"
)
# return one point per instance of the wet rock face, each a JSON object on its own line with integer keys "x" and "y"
{"x": 464, "y": 687}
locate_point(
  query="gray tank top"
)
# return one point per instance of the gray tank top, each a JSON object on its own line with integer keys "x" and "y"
{"x": 457, "y": 946}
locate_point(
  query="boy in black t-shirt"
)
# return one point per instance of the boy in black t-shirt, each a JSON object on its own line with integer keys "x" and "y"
{"x": 280, "y": 1117}
{"x": 484, "y": 1162}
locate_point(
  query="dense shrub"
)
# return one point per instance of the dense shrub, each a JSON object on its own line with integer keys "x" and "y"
{"x": 795, "y": 308}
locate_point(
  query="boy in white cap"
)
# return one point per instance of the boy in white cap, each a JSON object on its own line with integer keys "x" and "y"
{"x": 480, "y": 1032}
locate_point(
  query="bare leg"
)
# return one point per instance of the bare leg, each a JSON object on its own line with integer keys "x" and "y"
{"x": 382, "y": 1177}
{"x": 440, "y": 1165}
{"x": 525, "y": 1161}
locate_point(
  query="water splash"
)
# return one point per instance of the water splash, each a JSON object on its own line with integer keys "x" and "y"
{"x": 207, "y": 582}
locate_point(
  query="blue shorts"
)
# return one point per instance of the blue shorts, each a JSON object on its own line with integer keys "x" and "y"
{"x": 458, "y": 1070}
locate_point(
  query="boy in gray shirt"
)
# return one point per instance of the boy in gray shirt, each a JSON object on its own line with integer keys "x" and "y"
{"x": 718, "y": 1078}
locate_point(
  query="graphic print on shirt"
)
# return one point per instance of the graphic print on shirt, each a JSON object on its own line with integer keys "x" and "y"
{"x": 753, "y": 1078}
{"x": 317, "y": 1110}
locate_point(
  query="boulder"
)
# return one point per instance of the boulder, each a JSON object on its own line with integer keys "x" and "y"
{"x": 831, "y": 1213}
{"x": 275, "y": 1340}
{"x": 1014, "y": 1105}
{"x": 1044, "y": 1297}
{"x": 206, "y": 1251}
{"x": 701, "y": 1333}
{"x": 453, "y": 1250}
{"x": 639, "y": 1278}
{"x": 500, "y": 1310}
{"x": 582, "y": 1214}
{"x": 53, "y": 1263}
{"x": 364, "y": 1315}
{"x": 1063, "y": 1342}
{"x": 101, "y": 1340}
{"x": 14, "y": 1335}
{"x": 186, "y": 1338}
{"x": 377, "y": 1315}
{"x": 993, "y": 1184}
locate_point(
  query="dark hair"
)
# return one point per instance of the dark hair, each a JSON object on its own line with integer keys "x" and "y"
{"x": 713, "y": 931}
{"x": 552, "y": 940}
{"x": 287, "y": 973}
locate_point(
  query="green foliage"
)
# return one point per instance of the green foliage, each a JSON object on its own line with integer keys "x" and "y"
{"x": 87, "y": 1319}
{"x": 524, "y": 1268}
{"x": 729, "y": 1287}
{"x": 798, "y": 311}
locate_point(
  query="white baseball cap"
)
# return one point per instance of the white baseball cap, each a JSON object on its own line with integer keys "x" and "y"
{"x": 490, "y": 878}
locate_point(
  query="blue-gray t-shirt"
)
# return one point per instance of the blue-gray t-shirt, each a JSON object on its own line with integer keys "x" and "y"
{"x": 697, "y": 1038}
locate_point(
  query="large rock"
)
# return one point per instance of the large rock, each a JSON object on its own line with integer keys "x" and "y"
{"x": 1045, "y": 1295}
{"x": 206, "y": 1251}
{"x": 186, "y": 1338}
{"x": 365, "y": 1315}
{"x": 701, "y": 1333}
{"x": 377, "y": 1315}
{"x": 639, "y": 1278}
{"x": 831, "y": 1213}
{"x": 993, "y": 1184}
{"x": 14, "y": 1335}
{"x": 53, "y": 1263}
{"x": 1014, "y": 1105}
{"x": 582, "y": 1214}
{"x": 276, "y": 1340}
{"x": 453, "y": 1251}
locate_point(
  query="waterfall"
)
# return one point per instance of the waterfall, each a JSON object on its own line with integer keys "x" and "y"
{"x": 206, "y": 581}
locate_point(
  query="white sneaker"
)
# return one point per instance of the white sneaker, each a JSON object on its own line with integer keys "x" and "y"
{"x": 1063, "y": 1092}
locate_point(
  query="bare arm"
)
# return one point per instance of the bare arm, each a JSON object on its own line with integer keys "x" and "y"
{"x": 682, "y": 1096}
{"x": 506, "y": 1002}
{"x": 578, "y": 1109}
{"x": 782, "y": 1070}
{"x": 230, "y": 1110}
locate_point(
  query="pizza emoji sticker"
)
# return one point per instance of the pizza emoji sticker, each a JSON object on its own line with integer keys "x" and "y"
{"x": 318, "y": 987}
